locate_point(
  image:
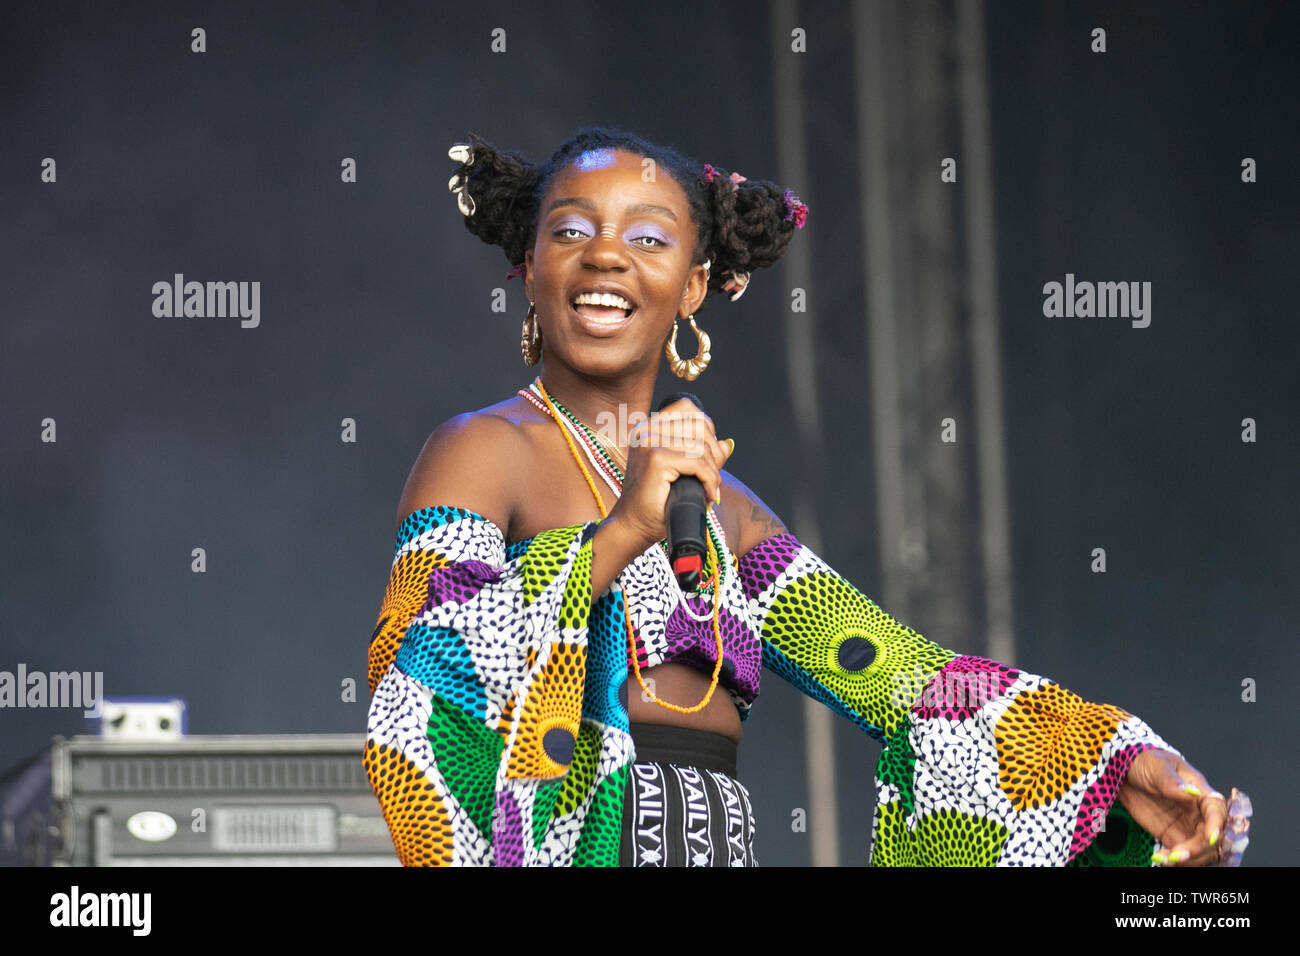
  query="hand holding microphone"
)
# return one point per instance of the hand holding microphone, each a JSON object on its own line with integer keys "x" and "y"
{"x": 673, "y": 471}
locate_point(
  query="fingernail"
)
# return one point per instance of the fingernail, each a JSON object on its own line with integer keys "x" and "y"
{"x": 733, "y": 447}
{"x": 1193, "y": 789}
{"x": 1158, "y": 857}
{"x": 1178, "y": 855}
{"x": 1213, "y": 838}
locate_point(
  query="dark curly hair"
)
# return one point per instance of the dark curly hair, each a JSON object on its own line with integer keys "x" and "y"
{"x": 739, "y": 226}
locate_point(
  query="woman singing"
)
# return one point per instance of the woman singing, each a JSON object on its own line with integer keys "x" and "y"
{"x": 545, "y": 693}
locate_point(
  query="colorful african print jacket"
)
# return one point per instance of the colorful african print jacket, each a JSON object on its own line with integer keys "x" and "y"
{"x": 496, "y": 733}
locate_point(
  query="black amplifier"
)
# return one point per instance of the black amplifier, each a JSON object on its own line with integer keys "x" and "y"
{"x": 256, "y": 800}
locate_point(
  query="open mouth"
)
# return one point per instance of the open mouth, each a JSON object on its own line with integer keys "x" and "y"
{"x": 605, "y": 307}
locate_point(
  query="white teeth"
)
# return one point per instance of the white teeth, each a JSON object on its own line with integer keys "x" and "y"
{"x": 607, "y": 299}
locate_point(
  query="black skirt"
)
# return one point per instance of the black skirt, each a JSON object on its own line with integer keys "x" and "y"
{"x": 683, "y": 805}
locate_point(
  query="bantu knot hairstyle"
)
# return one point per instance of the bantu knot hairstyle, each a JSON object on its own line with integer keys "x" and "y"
{"x": 741, "y": 224}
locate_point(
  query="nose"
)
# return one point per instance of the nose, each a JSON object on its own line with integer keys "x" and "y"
{"x": 605, "y": 250}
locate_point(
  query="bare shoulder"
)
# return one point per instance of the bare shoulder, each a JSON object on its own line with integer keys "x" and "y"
{"x": 465, "y": 463}
{"x": 748, "y": 515}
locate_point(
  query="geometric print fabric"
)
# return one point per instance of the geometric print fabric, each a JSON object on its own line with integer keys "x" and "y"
{"x": 496, "y": 734}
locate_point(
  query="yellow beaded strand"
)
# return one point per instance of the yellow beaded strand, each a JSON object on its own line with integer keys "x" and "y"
{"x": 717, "y": 589}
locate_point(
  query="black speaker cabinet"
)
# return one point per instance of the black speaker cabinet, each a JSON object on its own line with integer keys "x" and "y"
{"x": 261, "y": 800}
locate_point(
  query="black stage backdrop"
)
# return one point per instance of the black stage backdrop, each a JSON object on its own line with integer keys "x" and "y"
{"x": 176, "y": 434}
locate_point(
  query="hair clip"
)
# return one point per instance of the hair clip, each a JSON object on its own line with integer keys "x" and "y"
{"x": 795, "y": 209}
{"x": 462, "y": 153}
{"x": 738, "y": 283}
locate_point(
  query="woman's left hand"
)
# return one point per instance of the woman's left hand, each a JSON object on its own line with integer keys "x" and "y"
{"x": 1172, "y": 800}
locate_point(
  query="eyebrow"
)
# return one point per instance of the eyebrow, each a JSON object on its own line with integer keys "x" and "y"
{"x": 590, "y": 206}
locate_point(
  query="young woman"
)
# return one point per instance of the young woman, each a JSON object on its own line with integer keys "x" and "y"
{"x": 543, "y": 691}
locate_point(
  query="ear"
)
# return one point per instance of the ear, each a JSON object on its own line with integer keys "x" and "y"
{"x": 697, "y": 287}
{"x": 528, "y": 275}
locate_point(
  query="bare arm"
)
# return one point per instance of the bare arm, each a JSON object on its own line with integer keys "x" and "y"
{"x": 755, "y": 520}
{"x": 464, "y": 463}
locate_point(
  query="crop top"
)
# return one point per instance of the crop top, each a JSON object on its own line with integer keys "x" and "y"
{"x": 496, "y": 734}
{"x": 672, "y": 627}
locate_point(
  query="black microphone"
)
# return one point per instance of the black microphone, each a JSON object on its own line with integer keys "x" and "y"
{"x": 684, "y": 512}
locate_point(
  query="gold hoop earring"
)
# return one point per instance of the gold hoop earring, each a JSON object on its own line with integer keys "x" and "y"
{"x": 531, "y": 342}
{"x": 690, "y": 368}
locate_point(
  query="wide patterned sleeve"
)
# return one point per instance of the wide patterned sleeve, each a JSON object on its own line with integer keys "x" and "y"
{"x": 982, "y": 764}
{"x": 479, "y": 746}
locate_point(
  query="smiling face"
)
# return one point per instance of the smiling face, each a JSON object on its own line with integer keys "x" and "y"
{"x": 603, "y": 231}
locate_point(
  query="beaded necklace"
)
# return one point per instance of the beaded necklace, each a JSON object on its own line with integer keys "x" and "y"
{"x": 647, "y": 694}
{"x": 613, "y": 474}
